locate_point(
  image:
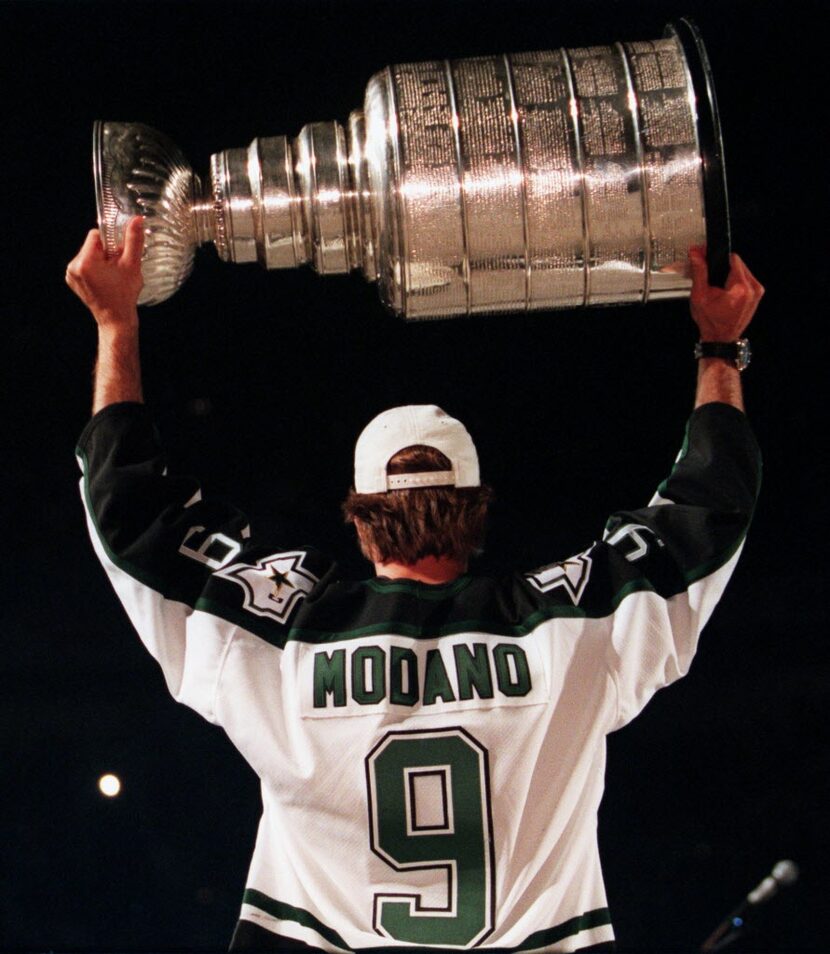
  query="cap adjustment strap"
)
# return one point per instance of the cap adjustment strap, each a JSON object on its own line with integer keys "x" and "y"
{"x": 432, "y": 478}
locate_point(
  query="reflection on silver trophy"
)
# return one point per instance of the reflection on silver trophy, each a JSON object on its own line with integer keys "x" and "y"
{"x": 528, "y": 181}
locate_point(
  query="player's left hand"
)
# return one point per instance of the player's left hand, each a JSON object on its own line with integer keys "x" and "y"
{"x": 722, "y": 314}
{"x": 109, "y": 286}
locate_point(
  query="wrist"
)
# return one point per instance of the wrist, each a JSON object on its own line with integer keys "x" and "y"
{"x": 114, "y": 322}
{"x": 718, "y": 380}
{"x": 705, "y": 364}
{"x": 118, "y": 367}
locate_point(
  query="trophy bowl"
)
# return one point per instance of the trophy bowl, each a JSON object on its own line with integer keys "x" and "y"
{"x": 139, "y": 171}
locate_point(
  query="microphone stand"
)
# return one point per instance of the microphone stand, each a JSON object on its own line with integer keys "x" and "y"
{"x": 729, "y": 930}
{"x": 732, "y": 926}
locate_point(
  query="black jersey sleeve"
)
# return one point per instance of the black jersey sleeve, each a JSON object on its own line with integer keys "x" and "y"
{"x": 142, "y": 515}
{"x": 700, "y": 514}
{"x": 676, "y": 556}
{"x": 658, "y": 571}
{"x": 185, "y": 567}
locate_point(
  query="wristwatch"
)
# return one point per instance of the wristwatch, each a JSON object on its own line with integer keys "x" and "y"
{"x": 737, "y": 351}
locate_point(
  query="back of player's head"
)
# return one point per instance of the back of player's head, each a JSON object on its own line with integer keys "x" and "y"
{"x": 417, "y": 488}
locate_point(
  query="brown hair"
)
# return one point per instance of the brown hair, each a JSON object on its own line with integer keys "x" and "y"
{"x": 403, "y": 526}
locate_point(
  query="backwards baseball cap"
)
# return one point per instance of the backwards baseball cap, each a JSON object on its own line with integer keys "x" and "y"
{"x": 402, "y": 427}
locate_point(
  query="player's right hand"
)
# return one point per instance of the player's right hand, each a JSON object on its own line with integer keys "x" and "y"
{"x": 109, "y": 286}
{"x": 722, "y": 314}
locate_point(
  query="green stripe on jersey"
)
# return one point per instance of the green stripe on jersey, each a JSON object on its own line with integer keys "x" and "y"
{"x": 392, "y": 627}
{"x": 537, "y": 940}
{"x": 396, "y": 627}
{"x": 287, "y": 912}
{"x": 584, "y": 922}
{"x": 599, "y": 917}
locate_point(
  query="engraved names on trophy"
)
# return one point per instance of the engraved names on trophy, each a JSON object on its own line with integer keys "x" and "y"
{"x": 493, "y": 185}
{"x": 671, "y": 158}
{"x": 436, "y": 264}
{"x": 553, "y": 180}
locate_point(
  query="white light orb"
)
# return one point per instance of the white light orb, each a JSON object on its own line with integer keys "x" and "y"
{"x": 109, "y": 785}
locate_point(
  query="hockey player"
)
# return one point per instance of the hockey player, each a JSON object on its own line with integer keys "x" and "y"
{"x": 430, "y": 742}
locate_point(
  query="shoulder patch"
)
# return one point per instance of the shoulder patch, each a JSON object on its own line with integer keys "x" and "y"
{"x": 572, "y": 575}
{"x": 273, "y": 585}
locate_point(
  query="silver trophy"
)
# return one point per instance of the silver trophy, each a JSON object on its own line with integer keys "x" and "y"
{"x": 529, "y": 181}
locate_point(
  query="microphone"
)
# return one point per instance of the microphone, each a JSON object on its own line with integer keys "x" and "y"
{"x": 784, "y": 873}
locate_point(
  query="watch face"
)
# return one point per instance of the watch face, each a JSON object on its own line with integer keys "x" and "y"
{"x": 743, "y": 355}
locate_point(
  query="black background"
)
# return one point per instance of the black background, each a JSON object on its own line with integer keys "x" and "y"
{"x": 260, "y": 382}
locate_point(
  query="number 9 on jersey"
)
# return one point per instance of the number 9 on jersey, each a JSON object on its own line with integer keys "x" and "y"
{"x": 429, "y": 809}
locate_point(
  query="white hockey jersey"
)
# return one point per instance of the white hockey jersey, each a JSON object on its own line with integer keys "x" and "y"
{"x": 431, "y": 756}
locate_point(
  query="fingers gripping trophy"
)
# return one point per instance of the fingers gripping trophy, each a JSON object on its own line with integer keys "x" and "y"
{"x": 522, "y": 182}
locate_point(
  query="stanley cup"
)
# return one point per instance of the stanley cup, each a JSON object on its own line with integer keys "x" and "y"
{"x": 529, "y": 181}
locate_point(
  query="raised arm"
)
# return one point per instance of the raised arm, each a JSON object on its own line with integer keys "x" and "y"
{"x": 722, "y": 315}
{"x": 109, "y": 287}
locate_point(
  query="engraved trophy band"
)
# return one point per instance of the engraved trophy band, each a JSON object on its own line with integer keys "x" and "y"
{"x": 526, "y": 181}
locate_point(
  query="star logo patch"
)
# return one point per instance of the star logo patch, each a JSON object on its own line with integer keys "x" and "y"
{"x": 273, "y": 586}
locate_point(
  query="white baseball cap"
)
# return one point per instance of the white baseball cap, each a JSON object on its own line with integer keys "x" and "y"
{"x": 401, "y": 427}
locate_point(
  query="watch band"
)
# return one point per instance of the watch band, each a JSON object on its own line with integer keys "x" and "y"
{"x": 736, "y": 351}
